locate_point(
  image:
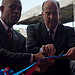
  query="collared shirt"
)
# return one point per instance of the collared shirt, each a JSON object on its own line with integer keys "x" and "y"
{"x": 53, "y": 34}
{"x": 5, "y": 26}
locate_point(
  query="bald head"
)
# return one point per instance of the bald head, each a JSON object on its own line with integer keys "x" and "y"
{"x": 55, "y": 2}
{"x": 5, "y": 2}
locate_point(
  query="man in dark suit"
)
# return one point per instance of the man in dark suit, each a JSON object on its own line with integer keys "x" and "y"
{"x": 63, "y": 38}
{"x": 13, "y": 49}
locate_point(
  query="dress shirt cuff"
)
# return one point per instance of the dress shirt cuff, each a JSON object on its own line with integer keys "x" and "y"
{"x": 31, "y": 60}
{"x": 40, "y": 50}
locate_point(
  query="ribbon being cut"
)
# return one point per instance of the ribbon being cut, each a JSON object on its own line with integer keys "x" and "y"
{"x": 31, "y": 68}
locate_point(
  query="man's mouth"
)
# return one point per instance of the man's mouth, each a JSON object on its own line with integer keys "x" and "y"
{"x": 51, "y": 22}
{"x": 15, "y": 17}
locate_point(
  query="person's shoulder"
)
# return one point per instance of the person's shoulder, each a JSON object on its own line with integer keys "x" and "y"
{"x": 37, "y": 25}
{"x": 66, "y": 27}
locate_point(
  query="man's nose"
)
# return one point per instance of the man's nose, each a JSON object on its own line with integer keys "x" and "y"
{"x": 51, "y": 15}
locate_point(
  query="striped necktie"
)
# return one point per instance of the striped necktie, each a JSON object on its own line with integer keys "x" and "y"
{"x": 9, "y": 35}
{"x": 50, "y": 36}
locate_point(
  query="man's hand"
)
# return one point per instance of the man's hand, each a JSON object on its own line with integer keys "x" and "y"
{"x": 49, "y": 49}
{"x": 43, "y": 65}
{"x": 71, "y": 53}
{"x": 38, "y": 56}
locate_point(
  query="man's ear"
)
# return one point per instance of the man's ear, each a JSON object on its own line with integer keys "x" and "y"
{"x": 42, "y": 14}
{"x": 59, "y": 12}
{"x": 2, "y": 8}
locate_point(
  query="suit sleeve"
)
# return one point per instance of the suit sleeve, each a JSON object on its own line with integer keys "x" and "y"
{"x": 71, "y": 37}
{"x": 12, "y": 59}
{"x": 32, "y": 42}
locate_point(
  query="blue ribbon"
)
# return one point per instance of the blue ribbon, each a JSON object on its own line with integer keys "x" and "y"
{"x": 37, "y": 62}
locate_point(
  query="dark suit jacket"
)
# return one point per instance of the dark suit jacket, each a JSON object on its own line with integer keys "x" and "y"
{"x": 38, "y": 36}
{"x": 15, "y": 55}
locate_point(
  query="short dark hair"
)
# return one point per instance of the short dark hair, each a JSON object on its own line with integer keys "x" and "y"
{"x": 43, "y": 6}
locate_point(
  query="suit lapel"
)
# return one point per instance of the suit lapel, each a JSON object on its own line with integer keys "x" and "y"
{"x": 43, "y": 34}
{"x": 14, "y": 40}
{"x": 58, "y": 36}
{"x": 4, "y": 36}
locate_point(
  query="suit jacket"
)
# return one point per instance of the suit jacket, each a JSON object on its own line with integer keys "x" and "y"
{"x": 64, "y": 39}
{"x": 14, "y": 56}
{"x": 38, "y": 36}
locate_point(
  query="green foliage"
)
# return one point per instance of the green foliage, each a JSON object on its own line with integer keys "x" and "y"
{"x": 18, "y": 31}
